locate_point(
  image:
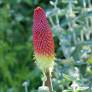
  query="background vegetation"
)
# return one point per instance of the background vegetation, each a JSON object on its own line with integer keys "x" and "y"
{"x": 71, "y": 22}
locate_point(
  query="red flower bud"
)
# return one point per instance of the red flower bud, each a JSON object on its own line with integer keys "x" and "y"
{"x": 42, "y": 40}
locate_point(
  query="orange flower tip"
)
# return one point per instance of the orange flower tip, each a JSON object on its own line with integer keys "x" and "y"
{"x": 38, "y": 8}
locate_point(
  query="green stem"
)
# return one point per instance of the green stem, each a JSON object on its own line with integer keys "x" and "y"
{"x": 26, "y": 89}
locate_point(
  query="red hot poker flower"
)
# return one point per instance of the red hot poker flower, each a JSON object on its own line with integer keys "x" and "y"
{"x": 42, "y": 40}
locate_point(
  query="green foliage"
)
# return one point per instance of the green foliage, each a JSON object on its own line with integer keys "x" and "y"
{"x": 71, "y": 23}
